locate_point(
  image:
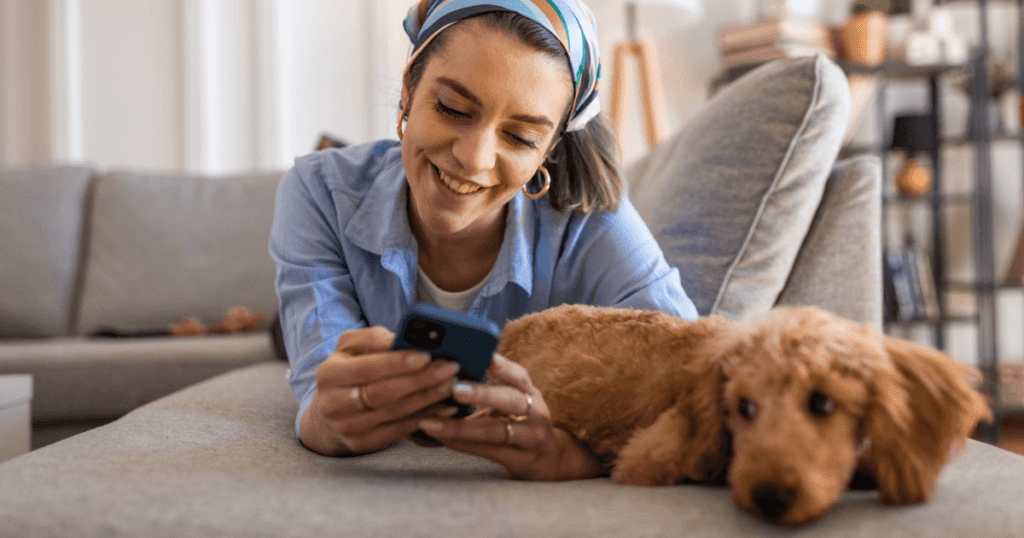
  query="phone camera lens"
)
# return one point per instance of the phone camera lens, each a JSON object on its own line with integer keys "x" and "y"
{"x": 432, "y": 335}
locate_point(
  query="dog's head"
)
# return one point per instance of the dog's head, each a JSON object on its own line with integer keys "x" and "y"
{"x": 809, "y": 397}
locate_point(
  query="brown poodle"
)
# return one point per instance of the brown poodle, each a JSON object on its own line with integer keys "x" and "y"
{"x": 789, "y": 404}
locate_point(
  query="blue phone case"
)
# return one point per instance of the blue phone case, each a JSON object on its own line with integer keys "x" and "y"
{"x": 452, "y": 336}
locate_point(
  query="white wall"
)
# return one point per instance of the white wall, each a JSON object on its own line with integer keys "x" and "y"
{"x": 220, "y": 86}
{"x": 24, "y": 83}
{"x": 227, "y": 85}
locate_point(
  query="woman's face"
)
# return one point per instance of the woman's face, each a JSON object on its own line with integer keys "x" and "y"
{"x": 481, "y": 121}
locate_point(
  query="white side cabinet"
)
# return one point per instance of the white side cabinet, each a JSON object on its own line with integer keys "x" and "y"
{"x": 15, "y": 415}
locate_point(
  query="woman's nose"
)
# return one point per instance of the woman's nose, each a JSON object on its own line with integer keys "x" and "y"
{"x": 476, "y": 150}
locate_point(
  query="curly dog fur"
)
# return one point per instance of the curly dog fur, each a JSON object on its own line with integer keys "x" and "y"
{"x": 789, "y": 404}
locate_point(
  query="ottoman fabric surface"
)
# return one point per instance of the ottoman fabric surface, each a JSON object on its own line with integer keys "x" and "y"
{"x": 221, "y": 459}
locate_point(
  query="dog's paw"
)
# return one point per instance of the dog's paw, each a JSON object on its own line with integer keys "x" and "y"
{"x": 643, "y": 473}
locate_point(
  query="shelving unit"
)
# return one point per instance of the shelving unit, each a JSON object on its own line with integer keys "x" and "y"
{"x": 985, "y": 286}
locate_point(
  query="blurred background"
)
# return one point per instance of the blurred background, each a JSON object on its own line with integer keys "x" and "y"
{"x": 226, "y": 86}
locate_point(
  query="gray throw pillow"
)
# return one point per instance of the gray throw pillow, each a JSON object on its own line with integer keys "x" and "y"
{"x": 164, "y": 247}
{"x": 41, "y": 219}
{"x": 731, "y": 196}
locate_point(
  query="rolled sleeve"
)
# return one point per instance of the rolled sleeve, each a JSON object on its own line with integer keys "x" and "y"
{"x": 618, "y": 263}
{"x": 314, "y": 285}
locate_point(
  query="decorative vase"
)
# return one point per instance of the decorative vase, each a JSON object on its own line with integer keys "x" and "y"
{"x": 913, "y": 179}
{"x": 864, "y": 37}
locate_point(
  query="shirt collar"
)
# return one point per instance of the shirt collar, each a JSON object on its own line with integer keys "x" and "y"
{"x": 515, "y": 260}
{"x": 381, "y": 223}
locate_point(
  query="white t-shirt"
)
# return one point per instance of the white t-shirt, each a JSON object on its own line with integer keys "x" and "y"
{"x": 459, "y": 301}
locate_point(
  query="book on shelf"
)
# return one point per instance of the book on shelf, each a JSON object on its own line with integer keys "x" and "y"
{"x": 1015, "y": 276}
{"x": 775, "y": 30}
{"x": 890, "y": 305}
{"x": 772, "y": 39}
{"x": 771, "y": 52}
{"x": 908, "y": 274}
{"x": 903, "y": 285}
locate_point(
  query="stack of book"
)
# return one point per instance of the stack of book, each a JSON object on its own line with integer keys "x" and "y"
{"x": 774, "y": 38}
{"x": 910, "y": 292}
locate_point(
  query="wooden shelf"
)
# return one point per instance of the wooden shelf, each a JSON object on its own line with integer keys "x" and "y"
{"x": 952, "y": 198}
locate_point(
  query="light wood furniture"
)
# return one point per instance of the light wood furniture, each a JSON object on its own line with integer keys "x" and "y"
{"x": 15, "y": 415}
{"x": 651, "y": 92}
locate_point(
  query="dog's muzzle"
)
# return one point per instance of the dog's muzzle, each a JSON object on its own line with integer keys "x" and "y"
{"x": 772, "y": 502}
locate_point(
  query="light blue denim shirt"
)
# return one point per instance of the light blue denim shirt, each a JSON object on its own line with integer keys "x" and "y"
{"x": 346, "y": 257}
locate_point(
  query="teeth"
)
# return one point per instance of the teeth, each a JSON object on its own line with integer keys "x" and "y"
{"x": 455, "y": 185}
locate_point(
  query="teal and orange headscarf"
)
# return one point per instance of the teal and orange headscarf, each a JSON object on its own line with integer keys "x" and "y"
{"x": 568, "y": 20}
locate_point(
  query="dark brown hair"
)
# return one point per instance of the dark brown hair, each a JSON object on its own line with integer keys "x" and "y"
{"x": 584, "y": 164}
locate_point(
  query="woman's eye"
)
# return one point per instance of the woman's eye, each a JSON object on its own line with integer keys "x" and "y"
{"x": 459, "y": 115}
{"x": 523, "y": 142}
{"x": 820, "y": 404}
{"x": 451, "y": 112}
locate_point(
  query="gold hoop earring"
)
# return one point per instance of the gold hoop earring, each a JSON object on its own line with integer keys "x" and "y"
{"x": 401, "y": 118}
{"x": 543, "y": 190}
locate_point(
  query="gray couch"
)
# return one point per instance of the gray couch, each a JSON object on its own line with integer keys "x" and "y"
{"x": 746, "y": 200}
{"x": 85, "y": 250}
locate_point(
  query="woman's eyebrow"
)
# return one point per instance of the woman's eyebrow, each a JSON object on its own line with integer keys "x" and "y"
{"x": 463, "y": 91}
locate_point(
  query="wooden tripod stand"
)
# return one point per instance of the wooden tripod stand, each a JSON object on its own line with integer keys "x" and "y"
{"x": 651, "y": 92}
{"x": 652, "y": 96}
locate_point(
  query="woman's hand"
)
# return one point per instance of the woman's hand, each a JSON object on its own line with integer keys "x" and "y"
{"x": 368, "y": 396}
{"x": 518, "y": 433}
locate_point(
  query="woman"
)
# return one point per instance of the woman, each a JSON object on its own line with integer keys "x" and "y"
{"x": 450, "y": 215}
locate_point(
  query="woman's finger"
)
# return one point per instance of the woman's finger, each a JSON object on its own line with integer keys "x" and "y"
{"x": 409, "y": 406}
{"x": 386, "y": 393}
{"x": 361, "y": 441}
{"x": 348, "y": 370}
{"x": 511, "y": 373}
{"x": 366, "y": 340}
{"x": 504, "y": 399}
{"x": 489, "y": 431}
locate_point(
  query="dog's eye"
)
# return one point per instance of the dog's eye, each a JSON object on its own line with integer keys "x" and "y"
{"x": 747, "y": 409}
{"x": 821, "y": 405}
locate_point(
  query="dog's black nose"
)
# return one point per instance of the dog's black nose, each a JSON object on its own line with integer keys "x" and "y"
{"x": 772, "y": 501}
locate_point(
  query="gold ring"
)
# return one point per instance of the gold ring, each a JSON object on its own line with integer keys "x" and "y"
{"x": 524, "y": 416}
{"x": 363, "y": 399}
{"x": 357, "y": 399}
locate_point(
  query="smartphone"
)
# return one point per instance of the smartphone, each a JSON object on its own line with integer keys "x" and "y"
{"x": 451, "y": 336}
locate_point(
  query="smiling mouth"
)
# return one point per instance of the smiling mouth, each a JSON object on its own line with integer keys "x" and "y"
{"x": 456, "y": 186}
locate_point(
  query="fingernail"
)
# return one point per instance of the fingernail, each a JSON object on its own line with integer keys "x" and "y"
{"x": 431, "y": 425}
{"x": 463, "y": 387}
{"x": 417, "y": 360}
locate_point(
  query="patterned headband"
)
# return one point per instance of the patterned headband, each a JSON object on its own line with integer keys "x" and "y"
{"x": 568, "y": 20}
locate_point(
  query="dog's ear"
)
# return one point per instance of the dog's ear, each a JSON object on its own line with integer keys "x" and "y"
{"x": 688, "y": 440}
{"x": 923, "y": 406}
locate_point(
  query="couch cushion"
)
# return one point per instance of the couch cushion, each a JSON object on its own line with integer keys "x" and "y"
{"x": 41, "y": 216}
{"x": 839, "y": 267}
{"x": 100, "y": 378}
{"x": 731, "y": 196}
{"x": 221, "y": 459}
{"x": 162, "y": 248}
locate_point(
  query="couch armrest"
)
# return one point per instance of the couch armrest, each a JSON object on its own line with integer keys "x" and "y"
{"x": 839, "y": 266}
